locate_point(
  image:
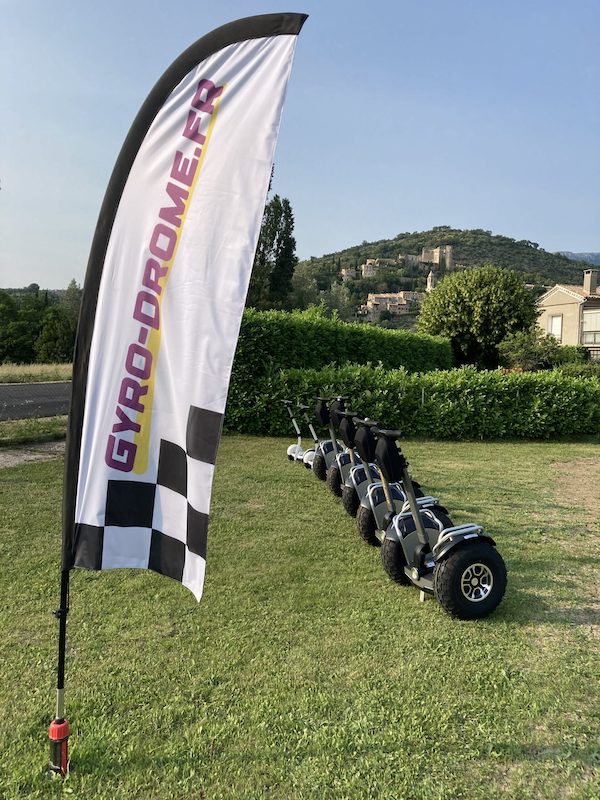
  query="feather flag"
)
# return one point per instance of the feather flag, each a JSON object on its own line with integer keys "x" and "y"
{"x": 163, "y": 299}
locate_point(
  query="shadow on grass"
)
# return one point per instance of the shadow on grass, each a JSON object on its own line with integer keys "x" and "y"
{"x": 537, "y": 590}
{"x": 569, "y": 755}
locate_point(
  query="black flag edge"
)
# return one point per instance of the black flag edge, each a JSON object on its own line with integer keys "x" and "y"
{"x": 256, "y": 27}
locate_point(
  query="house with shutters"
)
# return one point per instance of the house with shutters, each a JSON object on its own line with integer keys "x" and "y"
{"x": 572, "y": 313}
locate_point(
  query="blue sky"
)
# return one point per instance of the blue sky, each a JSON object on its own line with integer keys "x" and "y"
{"x": 399, "y": 116}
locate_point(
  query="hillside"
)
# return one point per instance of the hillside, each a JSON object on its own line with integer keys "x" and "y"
{"x": 471, "y": 248}
{"x": 590, "y": 258}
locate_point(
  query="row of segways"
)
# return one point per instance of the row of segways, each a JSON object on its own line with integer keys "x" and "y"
{"x": 420, "y": 545}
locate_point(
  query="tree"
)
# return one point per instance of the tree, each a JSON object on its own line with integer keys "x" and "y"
{"x": 275, "y": 259}
{"x": 476, "y": 310}
{"x": 56, "y": 340}
{"x": 339, "y": 300}
{"x": 304, "y": 290}
{"x": 284, "y": 260}
{"x": 8, "y": 315}
{"x": 529, "y": 350}
{"x": 71, "y": 301}
{"x": 19, "y": 326}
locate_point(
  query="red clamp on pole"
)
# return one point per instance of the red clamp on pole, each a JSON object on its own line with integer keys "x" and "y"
{"x": 58, "y": 733}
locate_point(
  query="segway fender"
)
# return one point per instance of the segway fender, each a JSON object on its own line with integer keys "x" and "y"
{"x": 451, "y": 538}
{"x": 356, "y": 476}
{"x": 392, "y": 534}
{"x": 395, "y": 530}
{"x": 326, "y": 447}
{"x": 343, "y": 459}
{"x": 309, "y": 457}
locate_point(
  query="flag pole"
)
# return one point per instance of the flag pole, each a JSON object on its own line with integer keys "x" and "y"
{"x": 58, "y": 733}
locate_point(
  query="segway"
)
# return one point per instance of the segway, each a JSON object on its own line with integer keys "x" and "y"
{"x": 363, "y": 473}
{"x": 346, "y": 458}
{"x": 458, "y": 564}
{"x": 295, "y": 452}
{"x": 338, "y": 472}
{"x": 309, "y": 455}
{"x": 373, "y": 512}
{"x": 328, "y": 449}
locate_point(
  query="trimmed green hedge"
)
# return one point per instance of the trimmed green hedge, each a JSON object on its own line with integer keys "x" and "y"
{"x": 456, "y": 404}
{"x": 590, "y": 369}
{"x": 274, "y": 340}
{"x": 308, "y": 339}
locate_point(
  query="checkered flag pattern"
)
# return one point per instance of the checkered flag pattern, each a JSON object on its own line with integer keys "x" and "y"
{"x": 160, "y": 526}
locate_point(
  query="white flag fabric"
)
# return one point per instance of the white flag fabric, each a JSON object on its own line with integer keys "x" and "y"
{"x": 163, "y": 300}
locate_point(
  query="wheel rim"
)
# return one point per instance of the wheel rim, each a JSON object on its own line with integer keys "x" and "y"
{"x": 477, "y": 582}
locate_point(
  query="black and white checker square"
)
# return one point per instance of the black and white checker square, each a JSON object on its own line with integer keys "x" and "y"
{"x": 160, "y": 526}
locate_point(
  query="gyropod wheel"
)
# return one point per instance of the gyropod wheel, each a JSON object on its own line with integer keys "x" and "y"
{"x": 350, "y": 500}
{"x": 393, "y": 561}
{"x": 334, "y": 480}
{"x": 470, "y": 583}
{"x": 367, "y": 527}
{"x": 319, "y": 467}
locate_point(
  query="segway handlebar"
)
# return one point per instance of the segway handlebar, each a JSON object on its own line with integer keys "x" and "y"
{"x": 328, "y": 398}
{"x": 368, "y": 423}
{"x": 364, "y": 439}
{"x": 336, "y": 409}
{"x": 347, "y": 427}
{"x": 390, "y": 458}
{"x": 387, "y": 434}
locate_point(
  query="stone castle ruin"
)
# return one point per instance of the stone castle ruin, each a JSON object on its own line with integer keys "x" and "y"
{"x": 437, "y": 258}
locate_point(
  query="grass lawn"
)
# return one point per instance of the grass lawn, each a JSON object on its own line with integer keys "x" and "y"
{"x": 25, "y": 431}
{"x": 304, "y": 672}
{"x": 33, "y": 373}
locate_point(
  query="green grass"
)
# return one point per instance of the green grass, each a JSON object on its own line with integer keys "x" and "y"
{"x": 304, "y": 672}
{"x": 25, "y": 431}
{"x": 33, "y": 373}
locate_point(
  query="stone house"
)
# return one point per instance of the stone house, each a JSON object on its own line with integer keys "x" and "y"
{"x": 572, "y": 313}
{"x": 395, "y": 302}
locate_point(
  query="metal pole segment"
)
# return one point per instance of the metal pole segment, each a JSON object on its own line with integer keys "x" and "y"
{"x": 386, "y": 490}
{"x": 61, "y": 615}
{"x": 58, "y": 733}
{"x": 334, "y": 440}
{"x": 409, "y": 491}
{"x": 367, "y": 469}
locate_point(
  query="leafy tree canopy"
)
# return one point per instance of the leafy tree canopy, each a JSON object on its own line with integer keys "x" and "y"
{"x": 529, "y": 350}
{"x": 476, "y": 310}
{"x": 56, "y": 339}
{"x": 35, "y": 325}
{"x": 275, "y": 259}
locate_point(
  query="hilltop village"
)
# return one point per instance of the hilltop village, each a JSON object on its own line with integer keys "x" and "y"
{"x": 439, "y": 260}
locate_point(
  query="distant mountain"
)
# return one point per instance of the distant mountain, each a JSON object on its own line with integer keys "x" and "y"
{"x": 590, "y": 258}
{"x": 471, "y": 248}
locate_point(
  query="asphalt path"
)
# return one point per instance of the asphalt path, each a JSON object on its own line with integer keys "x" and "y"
{"x": 29, "y": 400}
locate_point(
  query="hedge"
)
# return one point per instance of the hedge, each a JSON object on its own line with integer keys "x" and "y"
{"x": 308, "y": 339}
{"x": 590, "y": 369}
{"x": 455, "y": 404}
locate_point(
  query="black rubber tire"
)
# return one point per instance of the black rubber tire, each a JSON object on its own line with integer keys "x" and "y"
{"x": 393, "y": 561}
{"x": 448, "y": 574}
{"x": 334, "y": 480}
{"x": 319, "y": 467}
{"x": 350, "y": 500}
{"x": 418, "y": 491}
{"x": 367, "y": 528}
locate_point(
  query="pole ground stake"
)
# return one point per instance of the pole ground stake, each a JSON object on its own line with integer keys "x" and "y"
{"x": 58, "y": 733}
